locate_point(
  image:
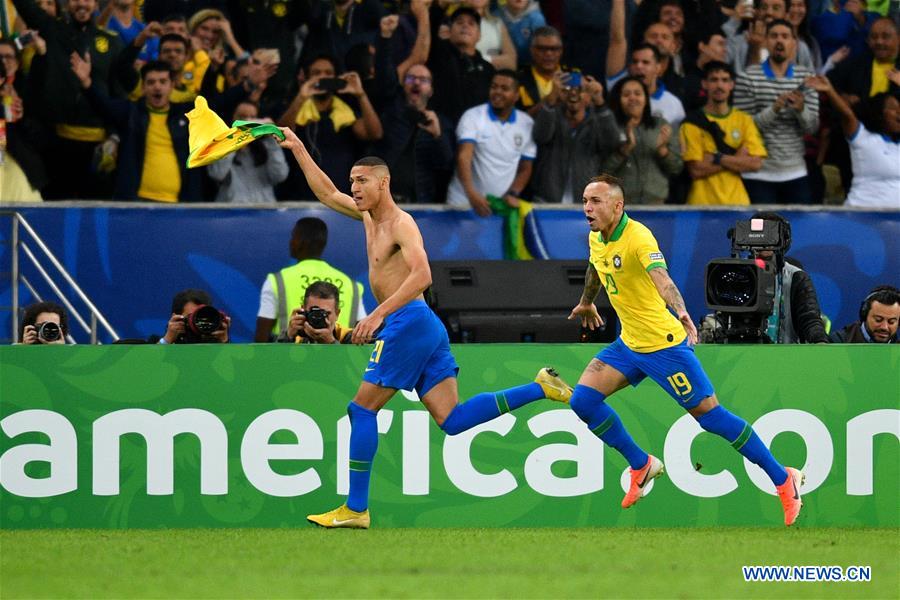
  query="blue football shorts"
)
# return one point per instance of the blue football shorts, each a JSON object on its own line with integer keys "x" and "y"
{"x": 677, "y": 370}
{"x": 412, "y": 351}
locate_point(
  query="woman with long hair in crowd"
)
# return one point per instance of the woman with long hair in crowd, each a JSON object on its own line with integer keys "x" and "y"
{"x": 649, "y": 152}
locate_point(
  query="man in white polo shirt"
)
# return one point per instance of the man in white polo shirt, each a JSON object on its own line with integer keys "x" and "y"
{"x": 496, "y": 149}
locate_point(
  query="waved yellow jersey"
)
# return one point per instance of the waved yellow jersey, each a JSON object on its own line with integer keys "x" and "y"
{"x": 209, "y": 138}
{"x": 624, "y": 263}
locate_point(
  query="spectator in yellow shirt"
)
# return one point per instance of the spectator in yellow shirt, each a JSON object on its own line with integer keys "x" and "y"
{"x": 210, "y": 32}
{"x": 720, "y": 142}
{"x": 154, "y": 137}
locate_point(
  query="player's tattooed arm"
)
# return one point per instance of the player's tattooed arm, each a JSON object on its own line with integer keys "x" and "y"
{"x": 591, "y": 285}
{"x": 586, "y": 312}
{"x": 673, "y": 298}
{"x": 669, "y": 292}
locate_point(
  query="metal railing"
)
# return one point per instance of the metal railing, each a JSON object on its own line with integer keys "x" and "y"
{"x": 88, "y": 322}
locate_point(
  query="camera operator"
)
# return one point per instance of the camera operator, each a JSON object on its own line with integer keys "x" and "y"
{"x": 798, "y": 320}
{"x": 879, "y": 314}
{"x": 194, "y": 320}
{"x": 766, "y": 298}
{"x": 44, "y": 323}
{"x": 316, "y": 322}
{"x": 795, "y": 316}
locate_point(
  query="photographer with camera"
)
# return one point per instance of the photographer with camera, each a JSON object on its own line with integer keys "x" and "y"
{"x": 316, "y": 321}
{"x": 194, "y": 320}
{"x": 44, "y": 323}
{"x": 766, "y": 297}
{"x": 285, "y": 289}
{"x": 879, "y": 314}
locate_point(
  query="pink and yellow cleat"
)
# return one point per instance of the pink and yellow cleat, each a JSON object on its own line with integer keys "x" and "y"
{"x": 640, "y": 478}
{"x": 789, "y": 493}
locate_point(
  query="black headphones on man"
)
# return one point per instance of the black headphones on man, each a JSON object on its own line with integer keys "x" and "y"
{"x": 866, "y": 304}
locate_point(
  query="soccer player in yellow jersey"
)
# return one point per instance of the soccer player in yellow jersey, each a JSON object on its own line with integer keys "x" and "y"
{"x": 625, "y": 259}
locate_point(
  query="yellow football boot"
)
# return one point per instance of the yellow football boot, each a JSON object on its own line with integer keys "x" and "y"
{"x": 553, "y": 385}
{"x": 341, "y": 517}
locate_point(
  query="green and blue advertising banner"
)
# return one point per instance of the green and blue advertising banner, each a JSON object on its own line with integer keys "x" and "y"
{"x": 257, "y": 436}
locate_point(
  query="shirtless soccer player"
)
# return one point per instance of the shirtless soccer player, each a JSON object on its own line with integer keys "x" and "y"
{"x": 625, "y": 259}
{"x": 411, "y": 346}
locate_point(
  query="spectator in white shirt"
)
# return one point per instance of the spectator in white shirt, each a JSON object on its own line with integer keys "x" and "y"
{"x": 496, "y": 149}
{"x": 874, "y": 147}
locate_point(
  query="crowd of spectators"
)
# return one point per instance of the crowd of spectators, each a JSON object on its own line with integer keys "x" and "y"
{"x": 469, "y": 101}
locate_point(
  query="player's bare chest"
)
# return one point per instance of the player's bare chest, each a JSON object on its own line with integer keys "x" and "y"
{"x": 381, "y": 247}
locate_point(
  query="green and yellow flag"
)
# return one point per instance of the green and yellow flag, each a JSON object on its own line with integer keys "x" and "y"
{"x": 522, "y": 237}
{"x": 209, "y": 138}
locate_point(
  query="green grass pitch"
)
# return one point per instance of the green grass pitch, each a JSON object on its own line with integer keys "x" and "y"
{"x": 438, "y": 563}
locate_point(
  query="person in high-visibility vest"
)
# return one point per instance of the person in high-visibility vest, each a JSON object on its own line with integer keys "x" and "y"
{"x": 283, "y": 290}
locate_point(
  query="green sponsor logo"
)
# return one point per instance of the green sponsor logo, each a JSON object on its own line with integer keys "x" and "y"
{"x": 220, "y": 436}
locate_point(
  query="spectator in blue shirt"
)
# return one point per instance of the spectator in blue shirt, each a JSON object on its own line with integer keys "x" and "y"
{"x": 846, "y": 23}
{"x": 522, "y": 19}
{"x": 120, "y": 16}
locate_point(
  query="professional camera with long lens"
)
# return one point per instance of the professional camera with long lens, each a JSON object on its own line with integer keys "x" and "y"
{"x": 201, "y": 324}
{"x": 48, "y": 331}
{"x": 741, "y": 290}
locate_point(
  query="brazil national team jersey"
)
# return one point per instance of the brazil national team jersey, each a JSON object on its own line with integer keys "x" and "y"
{"x": 624, "y": 263}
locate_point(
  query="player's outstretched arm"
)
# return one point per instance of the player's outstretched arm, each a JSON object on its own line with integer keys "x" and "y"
{"x": 412, "y": 248}
{"x": 319, "y": 182}
{"x": 586, "y": 311}
{"x": 669, "y": 292}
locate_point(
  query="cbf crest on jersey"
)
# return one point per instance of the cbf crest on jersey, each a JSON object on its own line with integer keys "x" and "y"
{"x": 617, "y": 261}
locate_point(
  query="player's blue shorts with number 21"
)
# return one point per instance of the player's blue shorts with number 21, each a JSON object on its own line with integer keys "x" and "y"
{"x": 411, "y": 351}
{"x": 675, "y": 369}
